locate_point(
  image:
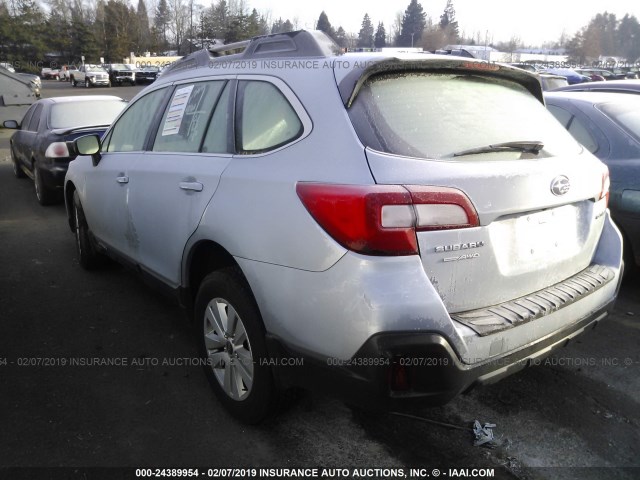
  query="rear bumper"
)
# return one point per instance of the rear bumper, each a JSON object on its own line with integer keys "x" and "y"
{"x": 53, "y": 173}
{"x": 393, "y": 371}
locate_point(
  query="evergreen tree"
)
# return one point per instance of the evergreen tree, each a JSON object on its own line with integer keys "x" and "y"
{"x": 365, "y": 36}
{"x": 341, "y": 37}
{"x": 413, "y": 23}
{"x": 380, "y": 39}
{"x": 325, "y": 26}
{"x": 143, "y": 33}
{"x": 449, "y": 24}
{"x": 161, "y": 23}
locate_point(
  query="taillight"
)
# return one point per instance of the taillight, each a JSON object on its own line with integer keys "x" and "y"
{"x": 57, "y": 150}
{"x": 383, "y": 219}
{"x": 606, "y": 183}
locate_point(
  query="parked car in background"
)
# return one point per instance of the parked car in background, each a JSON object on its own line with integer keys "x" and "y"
{"x": 608, "y": 125}
{"x": 7, "y": 66}
{"x": 53, "y": 74}
{"x": 39, "y": 149}
{"x": 66, "y": 71}
{"x": 616, "y": 86}
{"x": 34, "y": 80}
{"x": 120, "y": 74}
{"x": 552, "y": 82}
{"x": 90, "y": 76}
{"x": 602, "y": 72}
{"x": 148, "y": 74}
{"x": 571, "y": 75}
{"x": 44, "y": 73}
{"x": 407, "y": 225}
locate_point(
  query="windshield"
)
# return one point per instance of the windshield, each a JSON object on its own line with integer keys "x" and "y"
{"x": 85, "y": 113}
{"x": 435, "y": 115}
{"x": 95, "y": 68}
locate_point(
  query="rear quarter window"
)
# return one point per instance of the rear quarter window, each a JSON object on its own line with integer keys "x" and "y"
{"x": 434, "y": 115}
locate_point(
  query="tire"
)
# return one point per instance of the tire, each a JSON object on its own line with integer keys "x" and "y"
{"x": 73, "y": 82}
{"x": 17, "y": 170}
{"x": 232, "y": 355}
{"x": 88, "y": 256}
{"x": 87, "y": 84}
{"x": 44, "y": 194}
{"x": 109, "y": 85}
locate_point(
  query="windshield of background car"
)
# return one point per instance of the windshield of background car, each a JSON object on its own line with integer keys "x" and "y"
{"x": 96, "y": 69}
{"x": 625, "y": 113}
{"x": 434, "y": 115}
{"x": 85, "y": 113}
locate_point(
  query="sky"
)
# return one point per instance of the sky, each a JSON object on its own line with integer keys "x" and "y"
{"x": 533, "y": 22}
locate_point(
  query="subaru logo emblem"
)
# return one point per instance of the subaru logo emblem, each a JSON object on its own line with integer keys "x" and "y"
{"x": 560, "y": 185}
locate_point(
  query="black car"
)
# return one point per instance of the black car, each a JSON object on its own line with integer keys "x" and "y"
{"x": 608, "y": 125}
{"x": 39, "y": 149}
{"x": 617, "y": 86}
{"x": 147, "y": 74}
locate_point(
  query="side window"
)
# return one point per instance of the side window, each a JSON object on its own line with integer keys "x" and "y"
{"x": 35, "y": 119}
{"x": 575, "y": 127}
{"x": 24, "y": 125}
{"x": 582, "y": 135}
{"x": 130, "y": 133}
{"x": 216, "y": 139}
{"x": 187, "y": 116}
{"x": 265, "y": 119}
{"x": 561, "y": 115}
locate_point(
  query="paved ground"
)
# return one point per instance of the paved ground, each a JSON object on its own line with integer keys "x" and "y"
{"x": 579, "y": 409}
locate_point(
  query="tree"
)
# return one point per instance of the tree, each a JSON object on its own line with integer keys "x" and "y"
{"x": 628, "y": 38}
{"x": 449, "y": 24}
{"x": 413, "y": 23}
{"x": 341, "y": 37}
{"x": 380, "y": 39}
{"x": 365, "y": 36}
{"x": 161, "y": 23}
{"x": 143, "y": 33}
{"x": 325, "y": 26}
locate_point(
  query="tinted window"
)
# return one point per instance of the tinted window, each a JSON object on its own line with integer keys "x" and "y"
{"x": 581, "y": 133}
{"x": 266, "y": 119}
{"x": 130, "y": 132}
{"x": 187, "y": 116}
{"x": 433, "y": 115}
{"x": 76, "y": 114}
{"x": 35, "y": 119}
{"x": 24, "y": 125}
{"x": 561, "y": 115}
{"x": 216, "y": 139}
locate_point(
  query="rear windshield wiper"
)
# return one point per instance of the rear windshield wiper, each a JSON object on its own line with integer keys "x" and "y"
{"x": 526, "y": 147}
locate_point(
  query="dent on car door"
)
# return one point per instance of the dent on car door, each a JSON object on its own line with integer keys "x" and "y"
{"x": 171, "y": 185}
{"x": 106, "y": 198}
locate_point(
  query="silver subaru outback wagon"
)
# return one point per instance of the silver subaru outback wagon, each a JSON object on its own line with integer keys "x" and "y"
{"x": 390, "y": 228}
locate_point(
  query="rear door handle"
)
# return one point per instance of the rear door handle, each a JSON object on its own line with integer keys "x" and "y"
{"x": 194, "y": 186}
{"x": 123, "y": 179}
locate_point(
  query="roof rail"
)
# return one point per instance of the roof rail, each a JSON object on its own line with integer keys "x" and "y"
{"x": 300, "y": 44}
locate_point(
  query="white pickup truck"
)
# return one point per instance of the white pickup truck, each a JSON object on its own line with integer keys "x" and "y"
{"x": 90, "y": 76}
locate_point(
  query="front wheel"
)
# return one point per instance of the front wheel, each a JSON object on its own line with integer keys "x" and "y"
{"x": 17, "y": 170}
{"x": 231, "y": 341}
{"x": 86, "y": 83}
{"x": 88, "y": 256}
{"x": 73, "y": 82}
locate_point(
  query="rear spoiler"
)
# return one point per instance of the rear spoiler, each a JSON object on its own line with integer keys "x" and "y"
{"x": 350, "y": 85}
{"x": 87, "y": 129}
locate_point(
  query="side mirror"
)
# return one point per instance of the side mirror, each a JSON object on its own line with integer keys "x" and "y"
{"x": 11, "y": 124}
{"x": 89, "y": 145}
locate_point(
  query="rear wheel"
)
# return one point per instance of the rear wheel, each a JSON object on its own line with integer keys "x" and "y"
{"x": 231, "y": 342}
{"x": 45, "y": 195}
{"x": 88, "y": 256}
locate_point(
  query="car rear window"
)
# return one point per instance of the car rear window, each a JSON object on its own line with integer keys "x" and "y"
{"x": 625, "y": 113}
{"x": 85, "y": 113}
{"x": 435, "y": 115}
